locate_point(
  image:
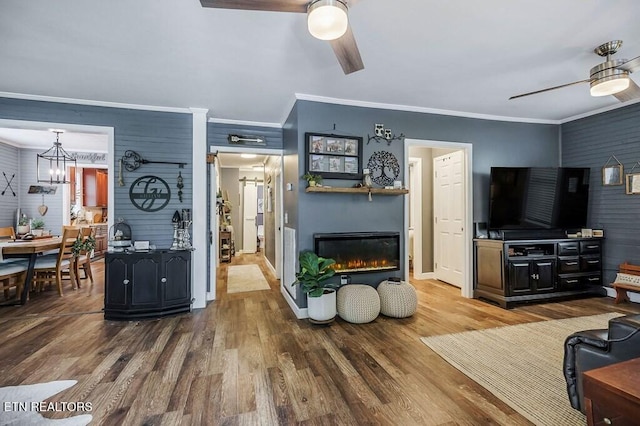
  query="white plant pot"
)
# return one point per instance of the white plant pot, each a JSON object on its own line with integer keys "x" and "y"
{"x": 322, "y": 309}
{"x": 23, "y": 229}
{"x": 37, "y": 232}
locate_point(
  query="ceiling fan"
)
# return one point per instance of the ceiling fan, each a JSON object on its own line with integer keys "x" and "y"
{"x": 608, "y": 78}
{"x": 326, "y": 20}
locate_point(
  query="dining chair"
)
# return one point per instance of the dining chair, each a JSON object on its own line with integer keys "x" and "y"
{"x": 12, "y": 275}
{"x": 50, "y": 268}
{"x": 7, "y": 232}
{"x": 83, "y": 260}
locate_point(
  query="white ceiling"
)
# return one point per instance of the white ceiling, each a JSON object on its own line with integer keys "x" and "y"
{"x": 457, "y": 55}
{"x": 235, "y": 161}
{"x": 43, "y": 139}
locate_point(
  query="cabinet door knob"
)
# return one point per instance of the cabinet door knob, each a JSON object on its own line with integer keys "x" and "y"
{"x": 164, "y": 280}
{"x": 607, "y": 421}
{"x": 125, "y": 282}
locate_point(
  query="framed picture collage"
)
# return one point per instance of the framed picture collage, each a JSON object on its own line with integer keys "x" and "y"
{"x": 333, "y": 156}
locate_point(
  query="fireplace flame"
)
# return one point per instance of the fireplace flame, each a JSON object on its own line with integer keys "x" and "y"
{"x": 363, "y": 265}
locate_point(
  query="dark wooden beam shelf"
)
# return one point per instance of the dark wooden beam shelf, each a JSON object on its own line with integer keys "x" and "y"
{"x": 380, "y": 191}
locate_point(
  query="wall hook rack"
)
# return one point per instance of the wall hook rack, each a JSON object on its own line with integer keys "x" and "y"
{"x": 132, "y": 161}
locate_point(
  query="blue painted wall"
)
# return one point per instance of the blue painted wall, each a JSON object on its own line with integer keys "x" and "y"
{"x": 590, "y": 142}
{"x": 158, "y": 136}
{"x": 495, "y": 143}
{"x": 218, "y": 133}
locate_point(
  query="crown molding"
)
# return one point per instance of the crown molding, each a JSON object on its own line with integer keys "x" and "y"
{"x": 244, "y": 123}
{"x": 599, "y": 111}
{"x": 93, "y": 103}
{"x": 409, "y": 108}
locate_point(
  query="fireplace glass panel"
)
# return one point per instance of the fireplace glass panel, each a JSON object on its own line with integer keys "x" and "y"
{"x": 360, "y": 251}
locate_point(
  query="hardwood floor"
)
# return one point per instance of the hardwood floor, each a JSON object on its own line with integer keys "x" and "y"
{"x": 246, "y": 359}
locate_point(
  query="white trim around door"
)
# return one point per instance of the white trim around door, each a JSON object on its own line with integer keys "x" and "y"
{"x": 467, "y": 286}
{"x": 211, "y": 295}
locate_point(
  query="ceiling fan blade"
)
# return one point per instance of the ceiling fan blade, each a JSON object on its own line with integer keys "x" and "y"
{"x": 631, "y": 65}
{"x": 266, "y": 5}
{"x": 347, "y": 52}
{"x": 630, "y": 93}
{"x": 549, "y": 88}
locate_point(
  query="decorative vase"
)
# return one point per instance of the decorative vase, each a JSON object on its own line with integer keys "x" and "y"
{"x": 322, "y": 310}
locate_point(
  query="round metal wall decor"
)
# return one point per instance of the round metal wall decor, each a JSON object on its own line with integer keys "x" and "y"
{"x": 149, "y": 193}
{"x": 383, "y": 167}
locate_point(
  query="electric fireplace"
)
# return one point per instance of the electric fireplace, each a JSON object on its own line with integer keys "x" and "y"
{"x": 360, "y": 251}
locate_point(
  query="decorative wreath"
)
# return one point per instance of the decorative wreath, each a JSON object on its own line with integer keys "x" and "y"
{"x": 383, "y": 167}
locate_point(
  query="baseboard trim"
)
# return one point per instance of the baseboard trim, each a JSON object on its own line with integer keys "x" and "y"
{"x": 300, "y": 313}
{"x": 424, "y": 276}
{"x": 270, "y": 266}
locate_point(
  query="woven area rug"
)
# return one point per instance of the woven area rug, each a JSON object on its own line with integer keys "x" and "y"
{"x": 520, "y": 364}
{"x": 242, "y": 278}
{"x": 18, "y": 405}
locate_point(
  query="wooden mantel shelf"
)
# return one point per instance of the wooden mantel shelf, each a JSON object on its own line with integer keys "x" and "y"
{"x": 380, "y": 191}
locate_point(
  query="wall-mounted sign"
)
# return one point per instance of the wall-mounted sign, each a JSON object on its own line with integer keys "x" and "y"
{"x": 38, "y": 189}
{"x": 149, "y": 193}
{"x": 90, "y": 157}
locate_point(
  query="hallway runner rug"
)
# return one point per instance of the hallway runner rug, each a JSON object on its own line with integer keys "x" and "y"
{"x": 242, "y": 278}
{"x": 520, "y": 364}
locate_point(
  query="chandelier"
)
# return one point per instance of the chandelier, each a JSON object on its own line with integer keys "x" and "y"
{"x": 52, "y": 164}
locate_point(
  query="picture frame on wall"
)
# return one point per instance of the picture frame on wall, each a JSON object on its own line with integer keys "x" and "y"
{"x": 612, "y": 175}
{"x": 334, "y": 156}
{"x": 633, "y": 183}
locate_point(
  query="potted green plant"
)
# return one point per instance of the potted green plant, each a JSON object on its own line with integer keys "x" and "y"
{"x": 313, "y": 279}
{"x": 37, "y": 226}
{"x": 23, "y": 225}
{"x": 312, "y": 179}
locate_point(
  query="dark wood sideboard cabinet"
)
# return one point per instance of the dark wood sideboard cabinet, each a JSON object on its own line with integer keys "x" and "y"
{"x": 509, "y": 272}
{"x": 144, "y": 285}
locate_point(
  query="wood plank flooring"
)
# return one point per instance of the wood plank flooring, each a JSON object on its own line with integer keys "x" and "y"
{"x": 246, "y": 359}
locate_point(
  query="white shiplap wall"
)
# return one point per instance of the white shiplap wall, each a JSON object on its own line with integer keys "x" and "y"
{"x": 9, "y": 159}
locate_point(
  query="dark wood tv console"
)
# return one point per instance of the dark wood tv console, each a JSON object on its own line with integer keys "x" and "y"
{"x": 509, "y": 272}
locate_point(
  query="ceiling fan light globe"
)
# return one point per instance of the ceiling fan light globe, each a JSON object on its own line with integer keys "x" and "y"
{"x": 609, "y": 86}
{"x": 327, "y": 19}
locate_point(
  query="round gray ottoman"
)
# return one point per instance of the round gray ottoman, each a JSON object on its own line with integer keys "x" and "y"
{"x": 397, "y": 299}
{"x": 358, "y": 303}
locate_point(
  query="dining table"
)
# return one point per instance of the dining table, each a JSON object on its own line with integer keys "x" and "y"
{"x": 27, "y": 249}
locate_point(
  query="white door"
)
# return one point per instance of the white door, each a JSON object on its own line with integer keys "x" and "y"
{"x": 449, "y": 217}
{"x": 249, "y": 212}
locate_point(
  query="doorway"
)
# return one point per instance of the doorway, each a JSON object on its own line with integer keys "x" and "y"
{"x": 86, "y": 141}
{"x": 421, "y": 210}
{"x": 246, "y": 185}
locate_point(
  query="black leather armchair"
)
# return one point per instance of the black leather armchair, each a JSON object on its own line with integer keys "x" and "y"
{"x": 589, "y": 349}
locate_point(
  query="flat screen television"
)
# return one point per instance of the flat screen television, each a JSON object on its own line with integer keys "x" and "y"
{"x": 524, "y": 198}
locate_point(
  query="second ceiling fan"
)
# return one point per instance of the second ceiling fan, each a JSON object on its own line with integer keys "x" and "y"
{"x": 326, "y": 19}
{"x": 608, "y": 78}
